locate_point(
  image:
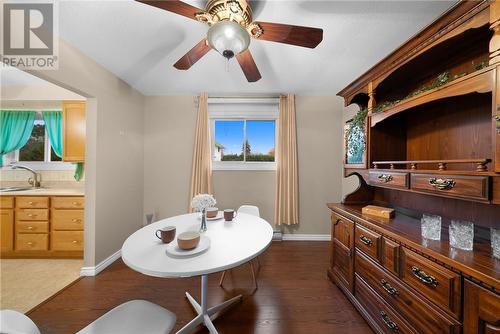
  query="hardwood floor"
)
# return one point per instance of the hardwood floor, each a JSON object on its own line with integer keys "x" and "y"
{"x": 294, "y": 296}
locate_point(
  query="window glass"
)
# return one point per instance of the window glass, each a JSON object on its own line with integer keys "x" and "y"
{"x": 228, "y": 142}
{"x": 34, "y": 150}
{"x": 260, "y": 140}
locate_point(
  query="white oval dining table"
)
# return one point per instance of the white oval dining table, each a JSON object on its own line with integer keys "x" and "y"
{"x": 231, "y": 244}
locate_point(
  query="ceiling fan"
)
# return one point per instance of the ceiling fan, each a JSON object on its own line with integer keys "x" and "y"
{"x": 231, "y": 27}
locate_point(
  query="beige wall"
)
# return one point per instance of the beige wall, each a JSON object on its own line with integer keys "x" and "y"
{"x": 114, "y": 151}
{"x": 48, "y": 92}
{"x": 168, "y": 140}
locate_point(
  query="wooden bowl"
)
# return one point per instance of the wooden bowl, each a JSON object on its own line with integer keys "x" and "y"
{"x": 188, "y": 240}
{"x": 212, "y": 212}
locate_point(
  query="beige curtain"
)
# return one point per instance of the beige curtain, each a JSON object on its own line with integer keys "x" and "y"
{"x": 287, "y": 192}
{"x": 201, "y": 174}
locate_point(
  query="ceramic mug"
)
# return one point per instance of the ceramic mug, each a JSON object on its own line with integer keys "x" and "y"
{"x": 167, "y": 234}
{"x": 229, "y": 215}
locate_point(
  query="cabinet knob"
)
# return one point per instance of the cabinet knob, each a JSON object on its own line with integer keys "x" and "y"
{"x": 75, "y": 241}
{"x": 31, "y": 215}
{"x": 388, "y": 322}
{"x": 74, "y": 220}
{"x": 30, "y": 227}
{"x": 365, "y": 240}
{"x": 31, "y": 203}
{"x": 423, "y": 277}
{"x": 29, "y": 243}
{"x": 75, "y": 203}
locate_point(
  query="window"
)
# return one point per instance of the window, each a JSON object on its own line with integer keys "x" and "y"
{"x": 243, "y": 135}
{"x": 37, "y": 152}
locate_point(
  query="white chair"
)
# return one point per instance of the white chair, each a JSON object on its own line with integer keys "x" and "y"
{"x": 251, "y": 210}
{"x": 13, "y": 322}
{"x": 132, "y": 317}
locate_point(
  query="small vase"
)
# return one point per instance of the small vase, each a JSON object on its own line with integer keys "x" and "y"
{"x": 203, "y": 226}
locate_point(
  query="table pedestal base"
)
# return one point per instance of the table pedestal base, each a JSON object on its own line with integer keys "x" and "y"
{"x": 203, "y": 311}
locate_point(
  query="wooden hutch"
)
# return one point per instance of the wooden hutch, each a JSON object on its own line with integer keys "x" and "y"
{"x": 431, "y": 145}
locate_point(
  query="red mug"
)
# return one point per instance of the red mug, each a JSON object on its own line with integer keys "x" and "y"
{"x": 229, "y": 215}
{"x": 167, "y": 234}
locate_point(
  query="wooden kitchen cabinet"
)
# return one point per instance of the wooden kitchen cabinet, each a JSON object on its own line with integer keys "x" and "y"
{"x": 6, "y": 229}
{"x": 73, "y": 131}
{"x": 482, "y": 314}
{"x": 342, "y": 250}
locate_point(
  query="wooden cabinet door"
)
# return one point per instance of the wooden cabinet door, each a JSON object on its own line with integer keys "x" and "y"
{"x": 73, "y": 131}
{"x": 342, "y": 251}
{"x": 6, "y": 230}
{"x": 481, "y": 310}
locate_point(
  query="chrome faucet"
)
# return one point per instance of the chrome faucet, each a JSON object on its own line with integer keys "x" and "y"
{"x": 33, "y": 181}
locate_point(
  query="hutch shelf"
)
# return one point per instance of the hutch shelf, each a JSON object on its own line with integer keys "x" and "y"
{"x": 431, "y": 145}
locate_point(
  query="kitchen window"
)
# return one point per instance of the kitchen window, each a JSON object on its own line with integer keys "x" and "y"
{"x": 37, "y": 152}
{"x": 243, "y": 134}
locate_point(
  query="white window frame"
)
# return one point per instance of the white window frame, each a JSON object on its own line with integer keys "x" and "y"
{"x": 242, "y": 109}
{"x": 46, "y": 164}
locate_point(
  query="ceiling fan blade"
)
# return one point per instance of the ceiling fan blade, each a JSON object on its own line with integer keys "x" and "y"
{"x": 193, "y": 55}
{"x": 248, "y": 66}
{"x": 295, "y": 35}
{"x": 175, "y": 6}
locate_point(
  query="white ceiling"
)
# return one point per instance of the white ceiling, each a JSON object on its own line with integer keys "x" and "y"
{"x": 140, "y": 44}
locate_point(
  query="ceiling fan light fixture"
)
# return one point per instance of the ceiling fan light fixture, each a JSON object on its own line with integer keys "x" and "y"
{"x": 228, "y": 38}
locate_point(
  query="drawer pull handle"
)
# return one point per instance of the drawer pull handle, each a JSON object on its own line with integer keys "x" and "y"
{"x": 31, "y": 215}
{"x": 442, "y": 184}
{"x": 387, "y": 287}
{"x": 388, "y": 322}
{"x": 385, "y": 178}
{"x": 75, "y": 203}
{"x": 74, "y": 220}
{"x": 30, "y": 227}
{"x": 423, "y": 277}
{"x": 365, "y": 240}
{"x": 29, "y": 243}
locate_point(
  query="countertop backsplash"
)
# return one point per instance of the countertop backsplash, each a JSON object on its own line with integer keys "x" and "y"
{"x": 49, "y": 179}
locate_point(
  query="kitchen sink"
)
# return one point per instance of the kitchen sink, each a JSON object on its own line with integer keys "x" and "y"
{"x": 6, "y": 189}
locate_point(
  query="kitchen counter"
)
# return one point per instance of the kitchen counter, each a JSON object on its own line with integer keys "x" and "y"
{"x": 45, "y": 192}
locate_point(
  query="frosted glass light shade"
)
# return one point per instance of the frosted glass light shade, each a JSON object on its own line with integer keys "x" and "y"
{"x": 228, "y": 38}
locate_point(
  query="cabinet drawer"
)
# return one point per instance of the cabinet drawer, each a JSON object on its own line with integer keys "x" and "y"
{"x": 419, "y": 313}
{"x": 67, "y": 219}
{"x": 34, "y": 202}
{"x": 67, "y": 240}
{"x": 32, "y": 214}
{"x": 368, "y": 242}
{"x": 461, "y": 186}
{"x": 435, "y": 282}
{"x": 388, "y": 320}
{"x": 32, "y": 242}
{"x": 67, "y": 202}
{"x": 389, "y": 179}
{"x": 390, "y": 255}
{"x": 6, "y": 202}
{"x": 32, "y": 227}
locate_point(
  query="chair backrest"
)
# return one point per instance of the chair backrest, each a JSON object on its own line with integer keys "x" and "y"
{"x": 13, "y": 322}
{"x": 250, "y": 209}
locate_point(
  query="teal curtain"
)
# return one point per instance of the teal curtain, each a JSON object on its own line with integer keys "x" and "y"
{"x": 16, "y": 127}
{"x": 53, "y": 125}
